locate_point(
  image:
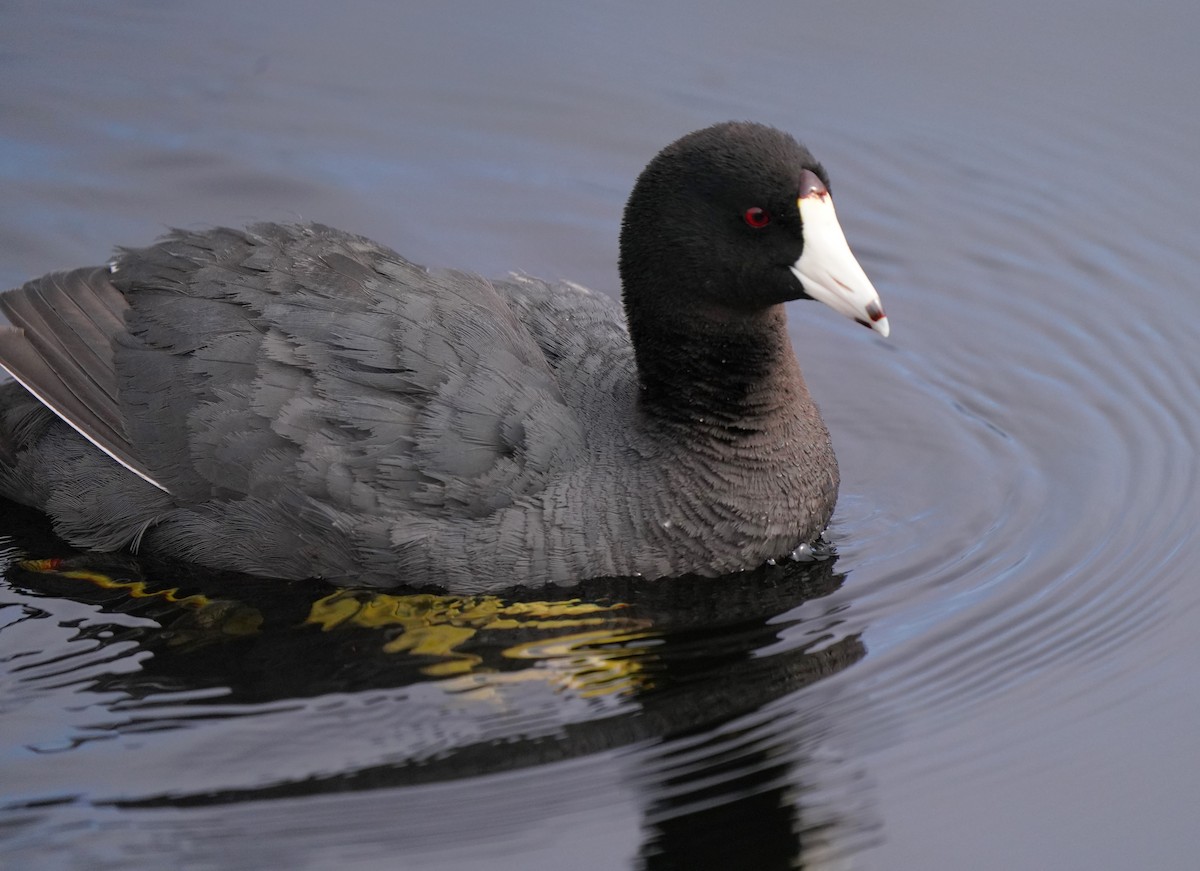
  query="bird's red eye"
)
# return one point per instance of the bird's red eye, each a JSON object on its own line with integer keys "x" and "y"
{"x": 756, "y": 217}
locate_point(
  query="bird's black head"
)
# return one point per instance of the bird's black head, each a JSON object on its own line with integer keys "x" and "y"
{"x": 736, "y": 218}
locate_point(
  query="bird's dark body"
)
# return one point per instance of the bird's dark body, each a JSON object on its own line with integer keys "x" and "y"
{"x": 292, "y": 400}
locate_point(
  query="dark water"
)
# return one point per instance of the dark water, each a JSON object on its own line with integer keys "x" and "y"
{"x": 1001, "y": 669}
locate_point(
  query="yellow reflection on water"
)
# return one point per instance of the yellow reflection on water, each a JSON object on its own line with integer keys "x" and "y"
{"x": 209, "y": 619}
{"x": 586, "y": 648}
{"x": 593, "y": 662}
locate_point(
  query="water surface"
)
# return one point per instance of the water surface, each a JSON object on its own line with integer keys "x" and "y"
{"x": 999, "y": 669}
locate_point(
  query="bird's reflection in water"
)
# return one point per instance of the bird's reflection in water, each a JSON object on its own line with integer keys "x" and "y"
{"x": 679, "y": 670}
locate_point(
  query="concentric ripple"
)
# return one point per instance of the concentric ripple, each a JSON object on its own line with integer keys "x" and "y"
{"x": 1038, "y": 489}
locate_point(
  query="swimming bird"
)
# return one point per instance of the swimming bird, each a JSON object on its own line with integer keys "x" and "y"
{"x": 296, "y": 401}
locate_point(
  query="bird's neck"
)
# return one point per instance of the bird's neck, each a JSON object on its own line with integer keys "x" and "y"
{"x": 721, "y": 374}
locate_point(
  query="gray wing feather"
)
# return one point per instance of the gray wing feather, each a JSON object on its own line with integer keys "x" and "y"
{"x": 59, "y": 348}
{"x": 297, "y": 360}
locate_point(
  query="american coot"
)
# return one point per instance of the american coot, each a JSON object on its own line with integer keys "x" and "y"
{"x": 296, "y": 401}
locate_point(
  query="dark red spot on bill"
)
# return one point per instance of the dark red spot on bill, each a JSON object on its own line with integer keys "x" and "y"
{"x": 811, "y": 184}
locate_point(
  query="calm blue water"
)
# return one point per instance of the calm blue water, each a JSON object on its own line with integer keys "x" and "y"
{"x": 1001, "y": 668}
